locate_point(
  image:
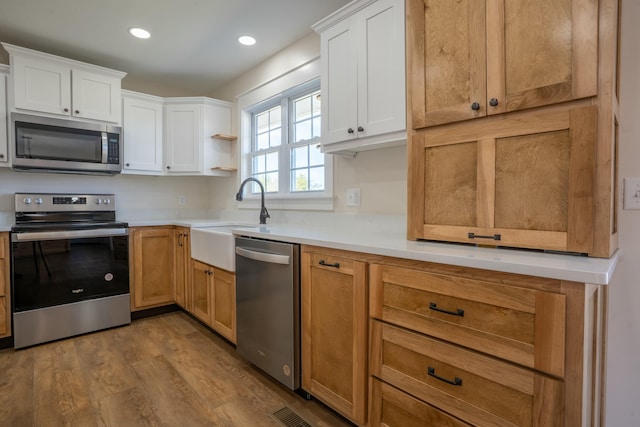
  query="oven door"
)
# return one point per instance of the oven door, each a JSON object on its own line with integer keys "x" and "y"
{"x": 52, "y": 268}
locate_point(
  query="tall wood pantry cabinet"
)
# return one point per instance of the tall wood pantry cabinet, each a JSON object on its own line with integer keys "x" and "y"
{"x": 512, "y": 123}
{"x": 5, "y": 286}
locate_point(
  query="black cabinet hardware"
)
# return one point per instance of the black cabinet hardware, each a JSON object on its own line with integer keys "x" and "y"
{"x": 335, "y": 265}
{"x": 459, "y": 312}
{"x": 493, "y": 102}
{"x": 475, "y": 106}
{"x": 478, "y": 236}
{"x": 456, "y": 381}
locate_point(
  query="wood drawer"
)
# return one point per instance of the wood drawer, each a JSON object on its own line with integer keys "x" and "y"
{"x": 3, "y": 316}
{"x": 476, "y": 388}
{"x": 522, "y": 325}
{"x": 391, "y": 407}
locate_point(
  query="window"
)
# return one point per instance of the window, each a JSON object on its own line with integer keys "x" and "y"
{"x": 284, "y": 152}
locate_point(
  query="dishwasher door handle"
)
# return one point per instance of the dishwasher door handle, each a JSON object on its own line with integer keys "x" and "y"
{"x": 263, "y": 256}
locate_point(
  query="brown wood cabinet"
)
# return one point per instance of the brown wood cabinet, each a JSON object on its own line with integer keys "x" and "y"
{"x": 474, "y": 58}
{"x": 183, "y": 266}
{"x": 5, "y": 287}
{"x": 537, "y": 169}
{"x": 334, "y": 330}
{"x": 214, "y": 298}
{"x": 153, "y": 273}
{"x": 522, "y": 180}
{"x": 486, "y": 348}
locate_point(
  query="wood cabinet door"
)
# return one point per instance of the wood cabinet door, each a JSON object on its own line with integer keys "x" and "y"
{"x": 522, "y": 181}
{"x": 41, "y": 85}
{"x": 182, "y": 265}
{"x": 446, "y": 61}
{"x": 153, "y": 272}
{"x": 223, "y": 304}
{"x": 334, "y": 332}
{"x": 142, "y": 135}
{"x": 541, "y": 52}
{"x": 96, "y": 96}
{"x": 201, "y": 291}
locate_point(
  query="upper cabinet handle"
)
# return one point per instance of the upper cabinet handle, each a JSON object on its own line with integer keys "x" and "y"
{"x": 493, "y": 102}
{"x": 350, "y": 130}
{"x": 475, "y": 106}
{"x": 360, "y": 129}
{"x": 66, "y": 110}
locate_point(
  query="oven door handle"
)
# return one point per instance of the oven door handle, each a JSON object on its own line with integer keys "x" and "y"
{"x": 33, "y": 236}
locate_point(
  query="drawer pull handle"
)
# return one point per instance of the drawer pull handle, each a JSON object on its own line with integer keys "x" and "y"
{"x": 478, "y": 236}
{"x": 323, "y": 262}
{"x": 458, "y": 312}
{"x": 456, "y": 381}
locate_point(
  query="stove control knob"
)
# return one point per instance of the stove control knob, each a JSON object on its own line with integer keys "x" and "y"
{"x": 106, "y": 201}
{"x": 27, "y": 200}
{"x": 98, "y": 201}
{"x": 39, "y": 201}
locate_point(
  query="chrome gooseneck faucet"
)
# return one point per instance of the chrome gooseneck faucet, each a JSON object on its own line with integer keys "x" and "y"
{"x": 264, "y": 214}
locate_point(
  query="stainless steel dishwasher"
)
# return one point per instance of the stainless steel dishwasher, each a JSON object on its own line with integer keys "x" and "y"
{"x": 268, "y": 307}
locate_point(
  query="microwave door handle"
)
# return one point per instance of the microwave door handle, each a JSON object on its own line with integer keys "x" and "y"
{"x": 105, "y": 147}
{"x": 262, "y": 256}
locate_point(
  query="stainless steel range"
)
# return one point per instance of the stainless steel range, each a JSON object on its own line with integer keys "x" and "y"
{"x": 69, "y": 266}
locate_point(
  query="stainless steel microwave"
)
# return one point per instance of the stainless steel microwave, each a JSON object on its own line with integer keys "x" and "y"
{"x": 58, "y": 145}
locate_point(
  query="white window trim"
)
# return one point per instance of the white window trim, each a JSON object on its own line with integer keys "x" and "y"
{"x": 302, "y": 74}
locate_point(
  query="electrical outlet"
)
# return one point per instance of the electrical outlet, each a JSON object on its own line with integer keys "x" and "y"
{"x": 631, "y": 193}
{"x": 182, "y": 200}
{"x": 353, "y": 197}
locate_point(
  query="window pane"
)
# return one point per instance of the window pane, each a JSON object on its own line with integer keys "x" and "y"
{"x": 272, "y": 182}
{"x": 259, "y": 163}
{"x": 272, "y": 162}
{"x": 317, "y": 123}
{"x": 299, "y": 157}
{"x": 276, "y": 137}
{"x": 316, "y": 104}
{"x": 302, "y": 108}
{"x": 263, "y": 141}
{"x": 316, "y": 179}
{"x": 275, "y": 119}
{"x": 262, "y": 122}
{"x": 255, "y": 189}
{"x": 302, "y": 131}
{"x": 300, "y": 180}
{"x": 316, "y": 157}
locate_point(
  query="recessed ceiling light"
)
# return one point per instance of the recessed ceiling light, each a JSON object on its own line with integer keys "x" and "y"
{"x": 139, "y": 33}
{"x": 247, "y": 40}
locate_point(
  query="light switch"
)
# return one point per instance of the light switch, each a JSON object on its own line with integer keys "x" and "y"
{"x": 353, "y": 197}
{"x": 631, "y": 193}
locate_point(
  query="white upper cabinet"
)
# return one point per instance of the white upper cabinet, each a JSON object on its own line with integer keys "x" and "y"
{"x": 363, "y": 76}
{"x": 4, "y": 118}
{"x": 142, "y": 133}
{"x": 189, "y": 125}
{"x": 50, "y": 85}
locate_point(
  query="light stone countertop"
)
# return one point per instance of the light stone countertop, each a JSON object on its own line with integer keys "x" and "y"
{"x": 597, "y": 271}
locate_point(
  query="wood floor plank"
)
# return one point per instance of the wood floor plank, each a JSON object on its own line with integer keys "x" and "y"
{"x": 167, "y": 370}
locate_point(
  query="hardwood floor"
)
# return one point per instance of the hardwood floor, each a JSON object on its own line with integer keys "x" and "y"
{"x": 166, "y": 370}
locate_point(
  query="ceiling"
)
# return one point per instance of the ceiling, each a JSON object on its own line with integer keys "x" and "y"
{"x": 193, "y": 45}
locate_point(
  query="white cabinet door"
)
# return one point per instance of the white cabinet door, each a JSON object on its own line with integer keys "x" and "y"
{"x": 142, "y": 135}
{"x": 95, "y": 96}
{"x": 4, "y": 118}
{"x": 41, "y": 85}
{"x": 362, "y": 53}
{"x": 381, "y": 69}
{"x": 183, "y": 138}
{"x": 338, "y": 82}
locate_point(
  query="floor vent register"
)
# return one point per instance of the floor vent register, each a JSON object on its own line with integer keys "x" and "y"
{"x": 288, "y": 418}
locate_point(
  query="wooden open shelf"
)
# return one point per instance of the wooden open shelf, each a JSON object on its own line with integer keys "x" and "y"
{"x": 224, "y": 137}
{"x": 225, "y": 169}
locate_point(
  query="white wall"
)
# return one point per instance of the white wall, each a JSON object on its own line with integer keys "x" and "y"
{"x": 137, "y": 197}
{"x": 623, "y": 364}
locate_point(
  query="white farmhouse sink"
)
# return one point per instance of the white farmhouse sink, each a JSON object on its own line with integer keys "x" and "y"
{"x": 216, "y": 245}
